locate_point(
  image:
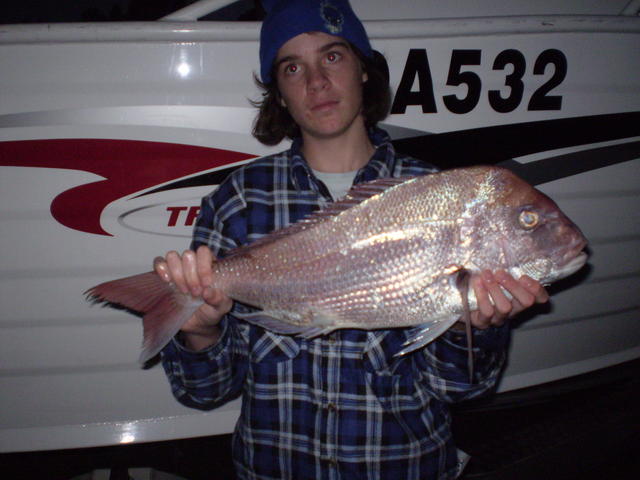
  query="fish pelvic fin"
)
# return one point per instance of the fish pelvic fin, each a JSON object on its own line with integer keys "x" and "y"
{"x": 425, "y": 333}
{"x": 165, "y": 309}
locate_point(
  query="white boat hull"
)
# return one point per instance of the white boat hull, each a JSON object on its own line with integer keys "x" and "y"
{"x": 126, "y": 102}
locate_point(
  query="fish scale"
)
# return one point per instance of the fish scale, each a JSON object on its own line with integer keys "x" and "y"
{"x": 379, "y": 259}
{"x": 388, "y": 255}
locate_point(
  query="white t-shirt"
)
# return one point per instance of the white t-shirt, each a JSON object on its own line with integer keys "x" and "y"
{"x": 337, "y": 183}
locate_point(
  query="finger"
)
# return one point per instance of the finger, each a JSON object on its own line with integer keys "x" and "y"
{"x": 161, "y": 268}
{"x": 536, "y": 288}
{"x": 174, "y": 264}
{"x": 218, "y": 299}
{"x": 482, "y": 316}
{"x": 207, "y": 316}
{"x": 212, "y": 296}
{"x": 515, "y": 288}
{"x": 204, "y": 259}
{"x": 478, "y": 320}
{"x": 517, "y": 307}
{"x": 204, "y": 318}
{"x": 191, "y": 272}
{"x": 501, "y": 303}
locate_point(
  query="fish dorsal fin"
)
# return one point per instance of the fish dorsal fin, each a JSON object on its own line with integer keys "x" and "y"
{"x": 358, "y": 194}
{"x": 363, "y": 191}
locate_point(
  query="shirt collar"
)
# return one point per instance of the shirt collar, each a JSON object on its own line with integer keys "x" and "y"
{"x": 380, "y": 165}
{"x": 382, "y": 161}
{"x": 300, "y": 172}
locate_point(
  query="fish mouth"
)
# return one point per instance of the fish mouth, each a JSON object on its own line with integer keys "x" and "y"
{"x": 578, "y": 247}
{"x": 575, "y": 263}
{"x": 575, "y": 249}
{"x": 573, "y": 256}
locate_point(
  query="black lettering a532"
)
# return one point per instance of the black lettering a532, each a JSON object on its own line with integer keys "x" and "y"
{"x": 512, "y": 62}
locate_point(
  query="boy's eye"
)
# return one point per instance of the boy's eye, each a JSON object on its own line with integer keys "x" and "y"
{"x": 333, "y": 57}
{"x": 291, "y": 68}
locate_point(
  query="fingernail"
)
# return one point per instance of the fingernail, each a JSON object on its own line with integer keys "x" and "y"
{"x": 487, "y": 276}
{"x": 501, "y": 276}
{"x": 529, "y": 282}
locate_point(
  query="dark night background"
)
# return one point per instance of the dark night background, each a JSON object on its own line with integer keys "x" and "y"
{"x": 54, "y": 11}
{"x": 38, "y": 11}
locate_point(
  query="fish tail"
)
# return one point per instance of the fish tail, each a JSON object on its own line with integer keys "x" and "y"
{"x": 165, "y": 309}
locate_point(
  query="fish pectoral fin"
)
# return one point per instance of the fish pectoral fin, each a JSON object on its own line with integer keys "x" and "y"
{"x": 425, "y": 333}
{"x": 315, "y": 332}
{"x": 276, "y": 322}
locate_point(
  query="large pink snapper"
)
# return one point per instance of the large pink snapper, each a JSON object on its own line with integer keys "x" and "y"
{"x": 388, "y": 255}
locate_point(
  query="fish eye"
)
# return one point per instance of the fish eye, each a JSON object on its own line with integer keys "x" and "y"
{"x": 528, "y": 219}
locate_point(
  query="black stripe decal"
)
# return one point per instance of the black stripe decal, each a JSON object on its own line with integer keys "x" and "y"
{"x": 562, "y": 166}
{"x": 499, "y": 145}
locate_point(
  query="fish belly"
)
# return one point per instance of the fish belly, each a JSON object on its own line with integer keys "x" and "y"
{"x": 368, "y": 288}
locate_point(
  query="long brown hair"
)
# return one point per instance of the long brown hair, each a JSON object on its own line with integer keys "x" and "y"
{"x": 274, "y": 123}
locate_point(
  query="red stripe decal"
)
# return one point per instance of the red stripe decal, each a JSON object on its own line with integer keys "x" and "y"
{"x": 128, "y": 166}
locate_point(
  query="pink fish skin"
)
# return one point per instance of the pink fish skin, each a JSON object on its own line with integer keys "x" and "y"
{"x": 386, "y": 256}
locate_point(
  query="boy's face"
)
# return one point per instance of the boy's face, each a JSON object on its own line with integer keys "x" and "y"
{"x": 320, "y": 80}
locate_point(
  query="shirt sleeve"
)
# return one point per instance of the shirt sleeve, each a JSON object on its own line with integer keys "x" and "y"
{"x": 443, "y": 364}
{"x": 209, "y": 378}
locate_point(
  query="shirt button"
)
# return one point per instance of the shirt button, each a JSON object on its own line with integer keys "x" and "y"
{"x": 332, "y": 407}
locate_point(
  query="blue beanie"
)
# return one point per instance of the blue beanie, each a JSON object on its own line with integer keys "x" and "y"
{"x": 286, "y": 19}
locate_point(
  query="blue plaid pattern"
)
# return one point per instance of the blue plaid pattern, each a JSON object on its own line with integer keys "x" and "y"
{"x": 337, "y": 406}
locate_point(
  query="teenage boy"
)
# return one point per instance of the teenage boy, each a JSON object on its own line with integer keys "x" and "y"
{"x": 339, "y": 405}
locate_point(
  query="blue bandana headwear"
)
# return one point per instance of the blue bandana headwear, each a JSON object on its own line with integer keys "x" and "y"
{"x": 289, "y": 18}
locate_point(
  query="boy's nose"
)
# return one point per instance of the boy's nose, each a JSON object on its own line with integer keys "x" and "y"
{"x": 317, "y": 78}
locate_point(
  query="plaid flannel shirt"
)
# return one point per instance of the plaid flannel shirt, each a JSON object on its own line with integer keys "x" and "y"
{"x": 339, "y": 405}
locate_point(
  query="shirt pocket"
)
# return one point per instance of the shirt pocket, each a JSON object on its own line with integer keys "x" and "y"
{"x": 267, "y": 346}
{"x": 389, "y": 377}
